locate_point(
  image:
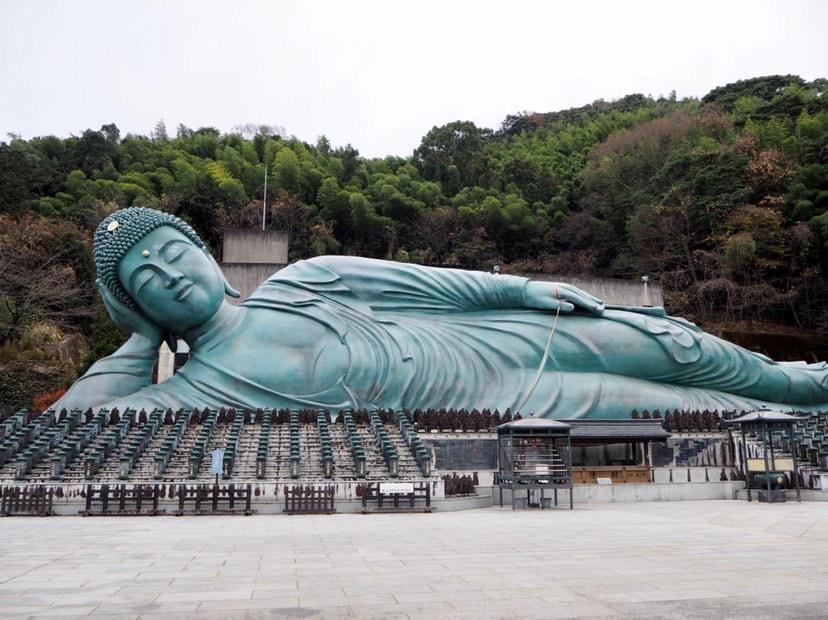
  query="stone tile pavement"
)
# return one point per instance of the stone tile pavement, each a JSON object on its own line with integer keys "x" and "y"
{"x": 676, "y": 559}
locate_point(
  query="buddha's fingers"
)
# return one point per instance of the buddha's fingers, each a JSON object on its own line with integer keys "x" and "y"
{"x": 580, "y": 298}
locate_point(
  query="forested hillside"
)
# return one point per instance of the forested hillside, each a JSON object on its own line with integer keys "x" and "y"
{"x": 724, "y": 200}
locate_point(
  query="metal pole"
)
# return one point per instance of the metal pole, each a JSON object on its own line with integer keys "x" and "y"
{"x": 793, "y": 458}
{"x": 745, "y": 470}
{"x": 765, "y": 436}
{"x": 770, "y": 444}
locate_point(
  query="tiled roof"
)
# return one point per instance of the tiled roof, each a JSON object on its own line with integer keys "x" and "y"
{"x": 619, "y": 430}
{"x": 534, "y": 424}
{"x": 765, "y": 416}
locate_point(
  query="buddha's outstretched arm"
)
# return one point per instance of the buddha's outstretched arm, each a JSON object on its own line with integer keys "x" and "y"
{"x": 391, "y": 286}
{"x": 124, "y": 372}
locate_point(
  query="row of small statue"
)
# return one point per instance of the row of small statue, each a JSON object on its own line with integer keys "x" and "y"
{"x": 460, "y": 485}
{"x": 461, "y": 419}
{"x": 682, "y": 421}
{"x": 700, "y": 421}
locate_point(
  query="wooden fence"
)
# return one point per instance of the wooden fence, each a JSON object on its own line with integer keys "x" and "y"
{"x": 419, "y": 499}
{"x": 143, "y": 499}
{"x": 214, "y": 499}
{"x": 122, "y": 499}
{"x": 309, "y": 499}
{"x": 33, "y": 501}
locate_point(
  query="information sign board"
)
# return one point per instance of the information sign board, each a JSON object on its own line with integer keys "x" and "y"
{"x": 389, "y": 488}
{"x": 217, "y": 466}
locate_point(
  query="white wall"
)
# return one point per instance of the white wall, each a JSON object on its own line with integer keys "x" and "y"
{"x": 246, "y": 277}
{"x": 255, "y": 246}
{"x": 612, "y": 291}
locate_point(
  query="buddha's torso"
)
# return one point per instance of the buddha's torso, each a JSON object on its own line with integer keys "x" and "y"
{"x": 283, "y": 351}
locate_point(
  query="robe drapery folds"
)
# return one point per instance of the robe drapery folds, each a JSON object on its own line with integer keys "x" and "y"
{"x": 420, "y": 337}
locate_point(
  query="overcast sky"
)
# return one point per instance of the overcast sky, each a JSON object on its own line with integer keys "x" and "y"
{"x": 377, "y": 75}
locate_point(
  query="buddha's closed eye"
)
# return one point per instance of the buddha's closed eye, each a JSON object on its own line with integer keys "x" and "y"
{"x": 143, "y": 278}
{"x": 178, "y": 252}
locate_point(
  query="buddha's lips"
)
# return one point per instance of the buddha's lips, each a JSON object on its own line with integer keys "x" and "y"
{"x": 185, "y": 290}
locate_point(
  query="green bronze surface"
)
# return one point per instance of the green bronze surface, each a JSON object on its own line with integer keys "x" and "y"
{"x": 345, "y": 332}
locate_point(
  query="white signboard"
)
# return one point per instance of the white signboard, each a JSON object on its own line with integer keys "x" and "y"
{"x": 388, "y": 488}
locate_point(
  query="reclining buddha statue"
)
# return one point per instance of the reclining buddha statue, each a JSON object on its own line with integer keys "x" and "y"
{"x": 342, "y": 332}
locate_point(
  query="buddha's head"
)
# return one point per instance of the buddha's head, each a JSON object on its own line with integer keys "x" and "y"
{"x": 155, "y": 263}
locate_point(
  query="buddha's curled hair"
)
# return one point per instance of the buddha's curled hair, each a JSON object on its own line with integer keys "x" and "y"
{"x": 121, "y": 230}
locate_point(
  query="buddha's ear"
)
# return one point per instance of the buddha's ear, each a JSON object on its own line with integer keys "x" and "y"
{"x": 228, "y": 290}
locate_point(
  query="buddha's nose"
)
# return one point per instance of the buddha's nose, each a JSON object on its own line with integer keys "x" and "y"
{"x": 173, "y": 279}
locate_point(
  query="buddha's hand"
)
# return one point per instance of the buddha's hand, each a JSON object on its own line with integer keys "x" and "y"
{"x": 557, "y": 295}
{"x": 131, "y": 321}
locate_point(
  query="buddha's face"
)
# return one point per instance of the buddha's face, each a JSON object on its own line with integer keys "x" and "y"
{"x": 172, "y": 280}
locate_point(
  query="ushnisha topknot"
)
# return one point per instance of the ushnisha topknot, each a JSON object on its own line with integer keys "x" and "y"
{"x": 121, "y": 230}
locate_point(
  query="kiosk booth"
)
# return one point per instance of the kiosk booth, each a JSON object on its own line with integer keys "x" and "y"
{"x": 534, "y": 455}
{"x": 768, "y": 468}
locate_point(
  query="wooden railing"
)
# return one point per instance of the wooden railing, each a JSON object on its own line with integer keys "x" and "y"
{"x": 121, "y": 499}
{"x": 143, "y": 499}
{"x": 373, "y": 495}
{"x": 214, "y": 498}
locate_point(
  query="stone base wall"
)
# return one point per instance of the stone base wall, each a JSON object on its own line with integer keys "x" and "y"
{"x": 683, "y": 475}
{"x": 600, "y": 493}
{"x": 807, "y": 495}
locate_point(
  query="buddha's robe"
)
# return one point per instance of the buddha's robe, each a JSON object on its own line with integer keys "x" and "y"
{"x": 423, "y": 337}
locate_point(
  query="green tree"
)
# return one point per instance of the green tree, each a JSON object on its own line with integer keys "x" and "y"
{"x": 335, "y": 207}
{"x": 286, "y": 171}
{"x": 454, "y": 155}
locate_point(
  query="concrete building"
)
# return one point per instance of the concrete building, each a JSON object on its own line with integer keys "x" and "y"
{"x": 251, "y": 256}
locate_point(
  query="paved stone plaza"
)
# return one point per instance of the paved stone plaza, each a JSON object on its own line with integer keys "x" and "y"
{"x": 713, "y": 558}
